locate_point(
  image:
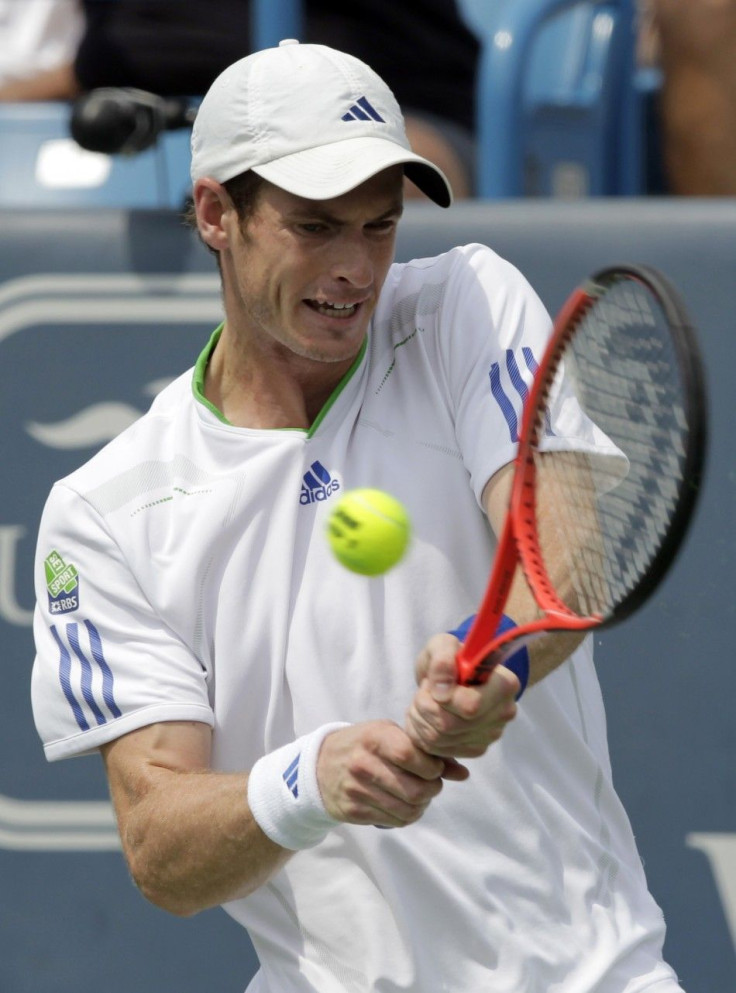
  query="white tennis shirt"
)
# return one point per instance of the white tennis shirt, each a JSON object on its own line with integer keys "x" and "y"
{"x": 183, "y": 574}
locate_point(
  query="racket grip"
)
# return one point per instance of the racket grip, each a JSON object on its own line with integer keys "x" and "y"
{"x": 517, "y": 662}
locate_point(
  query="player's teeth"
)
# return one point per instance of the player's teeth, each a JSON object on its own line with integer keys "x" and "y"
{"x": 337, "y": 306}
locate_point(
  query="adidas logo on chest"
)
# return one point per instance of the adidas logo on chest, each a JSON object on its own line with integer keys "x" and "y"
{"x": 317, "y": 485}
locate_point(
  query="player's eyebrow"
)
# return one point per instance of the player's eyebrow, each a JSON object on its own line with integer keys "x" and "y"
{"x": 395, "y": 210}
{"x": 315, "y": 212}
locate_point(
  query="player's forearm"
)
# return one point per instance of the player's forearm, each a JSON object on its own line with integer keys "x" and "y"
{"x": 569, "y": 538}
{"x": 548, "y": 651}
{"x": 192, "y": 843}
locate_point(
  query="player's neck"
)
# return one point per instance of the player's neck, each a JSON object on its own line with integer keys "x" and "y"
{"x": 256, "y": 388}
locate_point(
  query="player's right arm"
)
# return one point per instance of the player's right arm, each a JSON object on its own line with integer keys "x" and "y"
{"x": 188, "y": 834}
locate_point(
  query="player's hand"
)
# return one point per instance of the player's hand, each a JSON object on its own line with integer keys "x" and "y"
{"x": 372, "y": 773}
{"x": 449, "y": 720}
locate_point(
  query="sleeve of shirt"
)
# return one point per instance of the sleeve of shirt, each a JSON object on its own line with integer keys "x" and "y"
{"x": 105, "y": 664}
{"x": 494, "y": 331}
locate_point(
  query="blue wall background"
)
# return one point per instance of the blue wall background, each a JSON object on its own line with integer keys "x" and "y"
{"x": 97, "y": 310}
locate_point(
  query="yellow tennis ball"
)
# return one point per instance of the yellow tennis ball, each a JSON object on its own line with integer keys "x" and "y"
{"x": 368, "y": 531}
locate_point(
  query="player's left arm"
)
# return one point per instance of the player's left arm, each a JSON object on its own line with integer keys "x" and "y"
{"x": 549, "y": 651}
{"x": 448, "y": 719}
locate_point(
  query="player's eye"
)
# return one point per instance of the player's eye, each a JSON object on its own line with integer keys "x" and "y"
{"x": 386, "y": 225}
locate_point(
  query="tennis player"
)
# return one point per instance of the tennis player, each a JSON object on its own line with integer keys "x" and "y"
{"x": 256, "y": 705}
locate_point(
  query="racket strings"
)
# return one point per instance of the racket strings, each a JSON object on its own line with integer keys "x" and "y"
{"x": 607, "y": 507}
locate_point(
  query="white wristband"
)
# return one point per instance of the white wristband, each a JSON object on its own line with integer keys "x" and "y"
{"x": 284, "y": 796}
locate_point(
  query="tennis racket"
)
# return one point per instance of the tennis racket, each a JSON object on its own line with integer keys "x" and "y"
{"x": 595, "y": 523}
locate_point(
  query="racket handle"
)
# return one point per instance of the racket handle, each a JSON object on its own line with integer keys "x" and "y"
{"x": 472, "y": 672}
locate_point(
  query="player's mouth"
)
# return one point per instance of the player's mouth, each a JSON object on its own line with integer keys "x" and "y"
{"x": 332, "y": 308}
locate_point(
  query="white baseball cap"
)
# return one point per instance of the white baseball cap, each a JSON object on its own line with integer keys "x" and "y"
{"x": 313, "y": 121}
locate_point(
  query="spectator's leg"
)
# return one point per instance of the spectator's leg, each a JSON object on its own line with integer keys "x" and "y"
{"x": 698, "y": 101}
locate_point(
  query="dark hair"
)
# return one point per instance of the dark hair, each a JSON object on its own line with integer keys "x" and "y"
{"x": 244, "y": 190}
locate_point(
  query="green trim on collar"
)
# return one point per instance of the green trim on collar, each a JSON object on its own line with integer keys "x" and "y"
{"x": 338, "y": 389}
{"x": 200, "y": 369}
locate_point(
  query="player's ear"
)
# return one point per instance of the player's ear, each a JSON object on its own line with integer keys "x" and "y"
{"x": 211, "y": 203}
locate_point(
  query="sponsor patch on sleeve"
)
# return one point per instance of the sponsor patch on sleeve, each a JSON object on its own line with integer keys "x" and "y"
{"x": 62, "y": 583}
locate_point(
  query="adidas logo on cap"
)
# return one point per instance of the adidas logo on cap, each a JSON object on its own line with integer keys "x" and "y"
{"x": 362, "y": 111}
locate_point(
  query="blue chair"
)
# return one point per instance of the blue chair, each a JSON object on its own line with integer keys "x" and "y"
{"x": 559, "y": 101}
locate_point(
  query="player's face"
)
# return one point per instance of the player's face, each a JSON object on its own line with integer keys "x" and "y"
{"x": 308, "y": 273}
